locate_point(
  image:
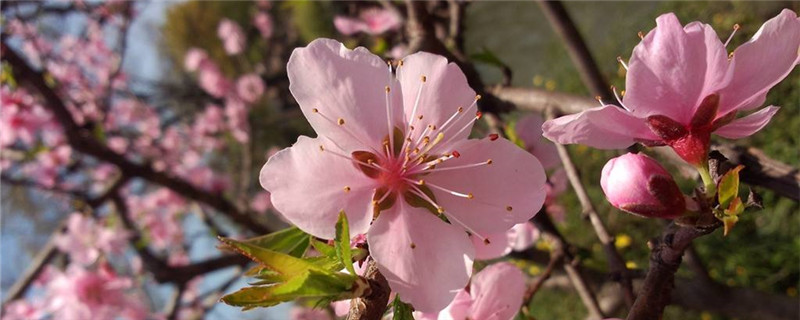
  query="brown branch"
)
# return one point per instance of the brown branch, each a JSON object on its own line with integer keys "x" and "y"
{"x": 556, "y": 258}
{"x": 83, "y": 141}
{"x": 616, "y": 264}
{"x": 160, "y": 270}
{"x": 45, "y": 255}
{"x": 570, "y": 264}
{"x": 422, "y": 37}
{"x": 665, "y": 258}
{"x": 373, "y": 305}
{"x": 581, "y": 57}
{"x": 50, "y": 251}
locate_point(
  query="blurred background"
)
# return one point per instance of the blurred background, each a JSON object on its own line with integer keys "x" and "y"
{"x": 124, "y": 70}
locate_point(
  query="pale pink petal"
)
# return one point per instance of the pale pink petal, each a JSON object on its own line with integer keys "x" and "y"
{"x": 459, "y": 308}
{"x": 748, "y": 125}
{"x": 606, "y": 127}
{"x": 496, "y": 248}
{"x": 674, "y": 68}
{"x": 445, "y": 90}
{"x": 308, "y": 187}
{"x": 425, "y": 260}
{"x": 523, "y": 235}
{"x": 497, "y": 292}
{"x": 511, "y": 188}
{"x": 340, "y": 83}
{"x": 263, "y": 22}
{"x": 762, "y": 62}
{"x": 348, "y": 26}
{"x": 529, "y": 130}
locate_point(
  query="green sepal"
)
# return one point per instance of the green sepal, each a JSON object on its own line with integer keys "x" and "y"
{"x": 511, "y": 134}
{"x": 402, "y": 311}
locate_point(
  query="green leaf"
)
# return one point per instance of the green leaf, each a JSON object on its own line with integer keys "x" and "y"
{"x": 308, "y": 284}
{"x": 402, "y": 311}
{"x": 324, "y": 248}
{"x": 291, "y": 241}
{"x": 284, "y": 265}
{"x": 342, "y": 243}
{"x": 729, "y": 186}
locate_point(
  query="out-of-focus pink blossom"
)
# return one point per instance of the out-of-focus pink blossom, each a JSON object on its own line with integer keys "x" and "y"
{"x": 637, "y": 184}
{"x": 482, "y": 186}
{"x": 84, "y": 240}
{"x": 306, "y": 313}
{"x": 23, "y": 310}
{"x": 238, "y": 124}
{"x": 681, "y": 88}
{"x": 194, "y": 58}
{"x": 211, "y": 79}
{"x": 82, "y": 294}
{"x": 263, "y": 22}
{"x": 372, "y": 21}
{"x": 250, "y": 87}
{"x": 23, "y": 119}
{"x": 495, "y": 293}
{"x": 261, "y": 202}
{"x": 529, "y": 130}
{"x": 232, "y": 36}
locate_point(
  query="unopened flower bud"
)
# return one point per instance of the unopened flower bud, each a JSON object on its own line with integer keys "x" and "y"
{"x": 637, "y": 184}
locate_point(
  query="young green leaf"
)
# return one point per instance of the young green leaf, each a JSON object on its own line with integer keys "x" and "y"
{"x": 284, "y": 265}
{"x": 292, "y": 241}
{"x": 324, "y": 248}
{"x": 729, "y": 186}
{"x": 307, "y": 284}
{"x": 402, "y": 311}
{"x": 342, "y": 243}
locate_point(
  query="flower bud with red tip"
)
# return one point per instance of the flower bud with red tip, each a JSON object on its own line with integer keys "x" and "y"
{"x": 637, "y": 184}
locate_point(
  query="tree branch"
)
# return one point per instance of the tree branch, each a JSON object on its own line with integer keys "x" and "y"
{"x": 665, "y": 258}
{"x": 571, "y": 265}
{"x": 83, "y": 141}
{"x": 619, "y": 271}
{"x": 576, "y": 47}
{"x": 373, "y": 305}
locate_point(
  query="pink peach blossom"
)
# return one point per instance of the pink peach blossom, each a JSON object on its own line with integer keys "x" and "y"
{"x": 637, "y": 184}
{"x": 681, "y": 87}
{"x": 84, "y": 240}
{"x": 250, "y": 87}
{"x": 82, "y": 294}
{"x": 529, "y": 130}
{"x": 194, "y": 58}
{"x": 494, "y": 294}
{"x": 372, "y": 21}
{"x": 232, "y": 36}
{"x": 427, "y": 186}
{"x": 263, "y": 22}
{"x": 260, "y": 202}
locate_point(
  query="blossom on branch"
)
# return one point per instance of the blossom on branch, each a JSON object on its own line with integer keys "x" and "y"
{"x": 682, "y": 85}
{"x": 392, "y": 153}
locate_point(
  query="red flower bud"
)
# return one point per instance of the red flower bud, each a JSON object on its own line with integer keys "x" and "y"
{"x": 637, "y": 184}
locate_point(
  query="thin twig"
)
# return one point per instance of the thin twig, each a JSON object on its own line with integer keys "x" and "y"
{"x": 581, "y": 57}
{"x": 571, "y": 265}
{"x": 615, "y": 262}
